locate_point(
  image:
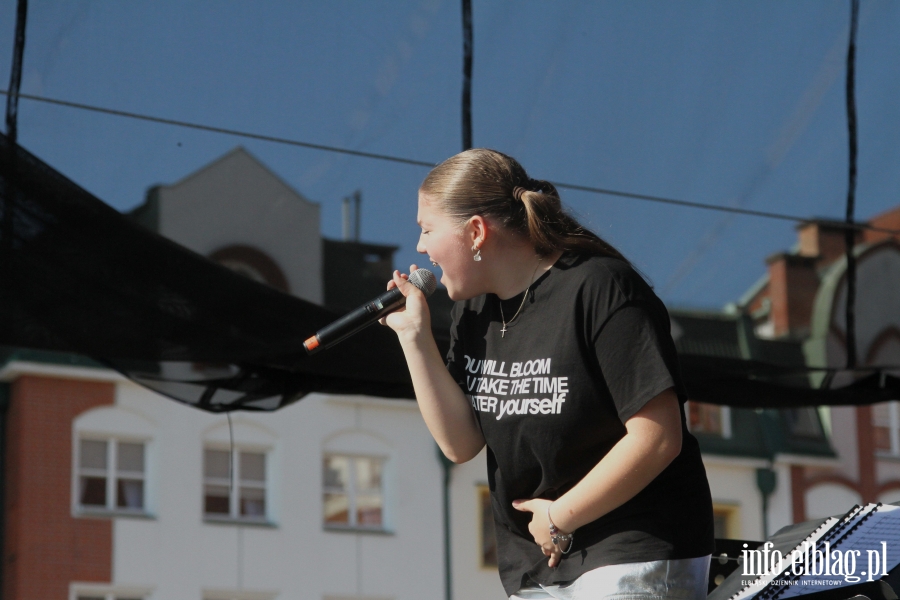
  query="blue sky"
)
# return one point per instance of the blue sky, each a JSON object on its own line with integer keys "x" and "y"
{"x": 736, "y": 104}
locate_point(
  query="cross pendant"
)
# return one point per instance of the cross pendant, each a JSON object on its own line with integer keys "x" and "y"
{"x": 503, "y": 331}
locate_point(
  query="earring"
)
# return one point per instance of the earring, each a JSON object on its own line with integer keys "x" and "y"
{"x": 477, "y": 257}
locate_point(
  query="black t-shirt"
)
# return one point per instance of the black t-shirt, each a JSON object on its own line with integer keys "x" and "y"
{"x": 590, "y": 347}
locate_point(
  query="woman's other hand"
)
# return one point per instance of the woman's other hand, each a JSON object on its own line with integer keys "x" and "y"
{"x": 539, "y": 527}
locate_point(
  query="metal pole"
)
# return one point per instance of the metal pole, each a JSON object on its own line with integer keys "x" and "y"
{"x": 7, "y": 195}
{"x": 446, "y": 466}
{"x": 850, "y": 230}
{"x": 467, "y": 75}
{"x": 766, "y": 481}
{"x": 15, "y": 75}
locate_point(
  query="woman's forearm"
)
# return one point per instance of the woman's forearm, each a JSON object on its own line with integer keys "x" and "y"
{"x": 652, "y": 441}
{"x": 444, "y": 407}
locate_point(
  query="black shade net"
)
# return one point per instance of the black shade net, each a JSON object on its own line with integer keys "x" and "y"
{"x": 78, "y": 276}
{"x": 755, "y": 384}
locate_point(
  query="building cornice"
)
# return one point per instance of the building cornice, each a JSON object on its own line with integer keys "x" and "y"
{"x": 724, "y": 460}
{"x": 17, "y": 368}
{"x": 806, "y": 460}
{"x": 373, "y": 402}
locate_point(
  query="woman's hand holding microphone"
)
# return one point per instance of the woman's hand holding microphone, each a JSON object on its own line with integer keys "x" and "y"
{"x": 414, "y": 318}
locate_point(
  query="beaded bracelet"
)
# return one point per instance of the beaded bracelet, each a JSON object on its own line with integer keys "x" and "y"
{"x": 556, "y": 536}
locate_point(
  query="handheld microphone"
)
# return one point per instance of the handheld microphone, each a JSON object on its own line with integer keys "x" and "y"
{"x": 363, "y": 316}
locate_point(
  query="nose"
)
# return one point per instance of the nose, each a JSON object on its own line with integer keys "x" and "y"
{"x": 420, "y": 247}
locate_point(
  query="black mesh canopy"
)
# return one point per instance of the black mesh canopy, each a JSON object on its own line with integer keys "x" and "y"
{"x": 755, "y": 384}
{"x": 77, "y": 276}
{"x": 80, "y": 277}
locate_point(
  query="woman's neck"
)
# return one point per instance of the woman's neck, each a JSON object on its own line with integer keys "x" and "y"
{"x": 517, "y": 268}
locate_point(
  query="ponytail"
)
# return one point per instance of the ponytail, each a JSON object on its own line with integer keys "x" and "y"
{"x": 491, "y": 184}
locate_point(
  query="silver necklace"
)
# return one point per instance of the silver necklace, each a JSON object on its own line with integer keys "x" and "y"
{"x": 521, "y": 306}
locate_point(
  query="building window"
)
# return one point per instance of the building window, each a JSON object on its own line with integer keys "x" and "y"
{"x": 253, "y": 264}
{"x": 353, "y": 492}
{"x": 111, "y": 476}
{"x": 487, "y": 546}
{"x": 804, "y": 422}
{"x": 886, "y": 427}
{"x": 709, "y": 419}
{"x": 234, "y": 484}
{"x": 726, "y": 521}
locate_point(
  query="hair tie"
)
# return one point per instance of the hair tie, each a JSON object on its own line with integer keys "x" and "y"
{"x": 517, "y": 192}
{"x": 544, "y": 187}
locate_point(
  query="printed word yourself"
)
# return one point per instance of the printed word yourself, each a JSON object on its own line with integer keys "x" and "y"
{"x": 488, "y": 383}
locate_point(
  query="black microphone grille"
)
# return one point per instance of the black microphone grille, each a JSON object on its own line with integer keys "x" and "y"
{"x": 424, "y": 280}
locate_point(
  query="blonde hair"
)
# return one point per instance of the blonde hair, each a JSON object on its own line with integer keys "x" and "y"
{"x": 491, "y": 184}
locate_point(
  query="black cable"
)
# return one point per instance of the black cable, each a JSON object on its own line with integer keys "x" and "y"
{"x": 422, "y": 163}
{"x": 8, "y": 192}
{"x": 690, "y": 204}
{"x": 467, "y": 75}
{"x": 235, "y": 132}
{"x": 849, "y": 232}
{"x": 15, "y": 75}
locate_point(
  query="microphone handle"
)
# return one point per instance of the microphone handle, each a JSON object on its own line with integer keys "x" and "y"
{"x": 357, "y": 319}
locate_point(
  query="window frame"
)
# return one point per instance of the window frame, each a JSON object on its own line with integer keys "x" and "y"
{"x": 732, "y": 515}
{"x": 351, "y": 493}
{"x": 112, "y": 475}
{"x": 793, "y": 420}
{"x": 726, "y": 432}
{"x": 108, "y": 592}
{"x": 893, "y": 427}
{"x": 483, "y": 492}
{"x": 235, "y": 484}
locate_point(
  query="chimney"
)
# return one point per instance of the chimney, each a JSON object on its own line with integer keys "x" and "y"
{"x": 823, "y": 240}
{"x": 793, "y": 283}
{"x": 351, "y": 217}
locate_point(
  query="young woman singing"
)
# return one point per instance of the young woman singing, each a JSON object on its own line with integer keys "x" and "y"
{"x": 562, "y": 364}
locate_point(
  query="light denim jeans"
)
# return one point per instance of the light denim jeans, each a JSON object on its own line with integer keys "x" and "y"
{"x": 683, "y": 579}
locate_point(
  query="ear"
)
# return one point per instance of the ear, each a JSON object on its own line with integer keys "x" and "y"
{"x": 477, "y": 231}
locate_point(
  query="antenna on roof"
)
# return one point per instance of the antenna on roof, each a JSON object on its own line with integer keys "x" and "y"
{"x": 351, "y": 217}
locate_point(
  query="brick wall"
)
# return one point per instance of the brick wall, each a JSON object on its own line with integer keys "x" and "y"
{"x": 889, "y": 220}
{"x": 46, "y": 547}
{"x": 793, "y": 284}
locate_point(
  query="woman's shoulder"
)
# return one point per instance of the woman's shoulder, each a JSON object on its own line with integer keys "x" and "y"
{"x": 607, "y": 274}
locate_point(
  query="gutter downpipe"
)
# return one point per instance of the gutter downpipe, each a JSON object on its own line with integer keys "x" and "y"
{"x": 766, "y": 480}
{"x": 446, "y": 467}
